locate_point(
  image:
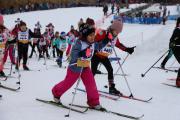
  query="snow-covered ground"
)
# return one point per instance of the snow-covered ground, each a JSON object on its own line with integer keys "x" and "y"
{"x": 151, "y": 42}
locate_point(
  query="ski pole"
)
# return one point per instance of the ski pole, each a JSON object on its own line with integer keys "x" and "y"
{"x": 131, "y": 94}
{"x": 18, "y": 64}
{"x": 13, "y": 53}
{"x": 6, "y": 51}
{"x": 45, "y": 62}
{"x": 143, "y": 74}
{"x": 122, "y": 63}
{"x": 74, "y": 94}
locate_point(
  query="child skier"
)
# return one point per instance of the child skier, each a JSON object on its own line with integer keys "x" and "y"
{"x": 81, "y": 54}
{"x": 35, "y": 42}
{"x": 4, "y": 36}
{"x": 175, "y": 47}
{"x": 50, "y": 30}
{"x": 23, "y": 39}
{"x": 10, "y": 48}
{"x": 61, "y": 44}
{"x": 101, "y": 55}
{"x": 43, "y": 45}
{"x": 55, "y": 43}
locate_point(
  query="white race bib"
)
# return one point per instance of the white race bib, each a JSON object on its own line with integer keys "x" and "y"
{"x": 23, "y": 35}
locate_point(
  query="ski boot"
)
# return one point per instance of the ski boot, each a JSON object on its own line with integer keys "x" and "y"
{"x": 40, "y": 56}
{"x": 2, "y": 74}
{"x": 113, "y": 90}
{"x": 25, "y": 68}
{"x": 98, "y": 107}
{"x": 48, "y": 57}
{"x": 98, "y": 72}
{"x": 178, "y": 82}
{"x": 30, "y": 56}
{"x": 57, "y": 100}
{"x": 162, "y": 66}
{"x": 59, "y": 62}
{"x": 17, "y": 67}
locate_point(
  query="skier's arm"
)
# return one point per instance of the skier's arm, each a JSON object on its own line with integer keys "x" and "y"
{"x": 120, "y": 45}
{"x": 130, "y": 50}
{"x": 74, "y": 55}
{"x": 12, "y": 41}
{"x": 175, "y": 39}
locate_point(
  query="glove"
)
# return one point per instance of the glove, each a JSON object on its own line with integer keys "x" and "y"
{"x": 172, "y": 45}
{"x": 82, "y": 53}
{"x": 85, "y": 53}
{"x": 130, "y": 50}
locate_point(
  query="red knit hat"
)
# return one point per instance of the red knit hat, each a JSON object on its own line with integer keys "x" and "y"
{"x": 117, "y": 26}
{"x": 90, "y": 21}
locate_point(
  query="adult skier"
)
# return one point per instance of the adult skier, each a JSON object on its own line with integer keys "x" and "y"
{"x": 175, "y": 46}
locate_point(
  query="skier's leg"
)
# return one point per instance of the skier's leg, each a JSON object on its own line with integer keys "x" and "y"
{"x": 108, "y": 66}
{"x": 166, "y": 59}
{"x": 90, "y": 85}
{"x": 60, "y": 88}
{"x": 94, "y": 64}
{"x": 25, "y": 57}
{"x": 177, "y": 56}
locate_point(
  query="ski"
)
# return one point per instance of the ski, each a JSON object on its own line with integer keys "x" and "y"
{"x": 61, "y": 105}
{"x": 167, "y": 70}
{"x": 57, "y": 66}
{"x": 108, "y": 111}
{"x": 172, "y": 79}
{"x": 102, "y": 95}
{"x": 113, "y": 74}
{"x": 128, "y": 97}
{"x": 9, "y": 88}
{"x": 171, "y": 85}
{"x": 123, "y": 96}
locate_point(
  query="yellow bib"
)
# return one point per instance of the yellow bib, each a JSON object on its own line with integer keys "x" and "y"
{"x": 83, "y": 63}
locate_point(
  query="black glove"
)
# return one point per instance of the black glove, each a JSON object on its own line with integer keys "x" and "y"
{"x": 82, "y": 53}
{"x": 172, "y": 45}
{"x": 130, "y": 50}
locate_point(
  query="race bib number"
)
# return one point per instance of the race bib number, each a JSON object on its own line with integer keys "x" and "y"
{"x": 23, "y": 36}
{"x": 63, "y": 46}
{"x": 108, "y": 49}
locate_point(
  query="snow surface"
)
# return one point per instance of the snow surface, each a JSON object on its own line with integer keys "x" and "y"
{"x": 151, "y": 42}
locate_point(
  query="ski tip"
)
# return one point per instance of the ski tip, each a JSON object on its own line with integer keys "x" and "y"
{"x": 66, "y": 115}
{"x": 142, "y": 75}
{"x": 19, "y": 88}
{"x": 150, "y": 99}
{"x": 37, "y": 99}
{"x": 140, "y": 117}
{"x": 106, "y": 86}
